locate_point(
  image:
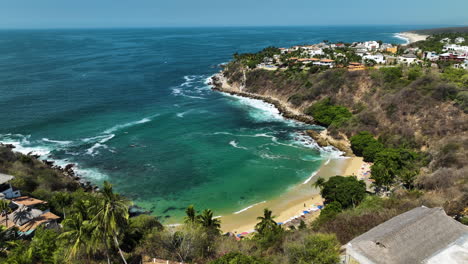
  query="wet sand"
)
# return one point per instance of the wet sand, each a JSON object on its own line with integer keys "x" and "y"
{"x": 412, "y": 37}
{"x": 291, "y": 203}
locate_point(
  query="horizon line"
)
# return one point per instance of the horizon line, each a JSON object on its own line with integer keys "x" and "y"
{"x": 224, "y": 26}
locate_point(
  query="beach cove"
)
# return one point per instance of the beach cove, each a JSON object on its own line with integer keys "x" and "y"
{"x": 153, "y": 127}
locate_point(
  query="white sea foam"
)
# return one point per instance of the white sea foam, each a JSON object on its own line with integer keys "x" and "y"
{"x": 182, "y": 114}
{"x": 248, "y": 207}
{"x": 93, "y": 150}
{"x": 310, "y": 178}
{"x": 399, "y": 36}
{"x": 129, "y": 124}
{"x": 236, "y": 145}
{"x": 60, "y": 142}
{"x": 23, "y": 145}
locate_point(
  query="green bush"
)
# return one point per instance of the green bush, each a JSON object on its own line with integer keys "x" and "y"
{"x": 364, "y": 144}
{"x": 327, "y": 114}
{"x": 348, "y": 191}
{"x": 391, "y": 74}
{"x": 319, "y": 248}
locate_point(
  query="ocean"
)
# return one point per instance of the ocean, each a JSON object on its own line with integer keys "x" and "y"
{"x": 133, "y": 107}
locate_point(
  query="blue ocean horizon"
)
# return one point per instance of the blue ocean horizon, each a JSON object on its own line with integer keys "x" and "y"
{"x": 133, "y": 106}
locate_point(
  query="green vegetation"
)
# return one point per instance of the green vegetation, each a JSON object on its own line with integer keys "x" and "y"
{"x": 364, "y": 144}
{"x": 327, "y": 114}
{"x": 319, "y": 248}
{"x": 346, "y": 191}
{"x": 433, "y": 43}
{"x": 252, "y": 59}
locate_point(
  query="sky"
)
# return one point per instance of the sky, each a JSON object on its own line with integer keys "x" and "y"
{"x": 176, "y": 13}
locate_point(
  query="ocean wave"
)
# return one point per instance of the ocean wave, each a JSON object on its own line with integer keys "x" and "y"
{"x": 93, "y": 150}
{"x": 60, "y": 142}
{"x": 399, "y": 36}
{"x": 310, "y": 178}
{"x": 23, "y": 145}
{"x": 129, "y": 124}
{"x": 234, "y": 144}
{"x": 248, "y": 207}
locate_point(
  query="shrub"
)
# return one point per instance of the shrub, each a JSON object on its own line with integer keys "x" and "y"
{"x": 348, "y": 191}
{"x": 319, "y": 248}
{"x": 326, "y": 113}
{"x": 364, "y": 144}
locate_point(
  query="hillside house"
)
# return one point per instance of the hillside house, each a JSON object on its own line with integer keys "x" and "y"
{"x": 407, "y": 59}
{"x": 459, "y": 40}
{"x": 6, "y": 189}
{"x": 379, "y": 58}
{"x": 371, "y": 45}
{"x": 421, "y": 235}
{"x": 431, "y": 55}
{"x": 445, "y": 40}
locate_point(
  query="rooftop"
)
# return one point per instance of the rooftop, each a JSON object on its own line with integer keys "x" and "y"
{"x": 4, "y": 178}
{"x": 33, "y": 224}
{"x": 27, "y": 201}
{"x": 416, "y": 236}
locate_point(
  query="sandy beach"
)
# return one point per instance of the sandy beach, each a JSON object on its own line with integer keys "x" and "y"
{"x": 411, "y": 37}
{"x": 291, "y": 204}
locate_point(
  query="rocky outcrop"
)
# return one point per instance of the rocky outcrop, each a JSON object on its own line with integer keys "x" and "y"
{"x": 323, "y": 139}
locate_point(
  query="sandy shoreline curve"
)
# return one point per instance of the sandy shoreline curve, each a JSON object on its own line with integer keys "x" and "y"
{"x": 411, "y": 37}
{"x": 296, "y": 199}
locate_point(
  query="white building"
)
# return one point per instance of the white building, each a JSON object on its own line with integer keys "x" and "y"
{"x": 5, "y": 187}
{"x": 379, "y": 58}
{"x": 407, "y": 59}
{"x": 459, "y": 40}
{"x": 371, "y": 45}
{"x": 445, "y": 40}
{"x": 431, "y": 55}
{"x": 315, "y": 51}
{"x": 456, "y": 48}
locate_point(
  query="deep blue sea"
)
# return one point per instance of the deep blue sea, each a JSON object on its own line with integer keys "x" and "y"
{"x": 132, "y": 106}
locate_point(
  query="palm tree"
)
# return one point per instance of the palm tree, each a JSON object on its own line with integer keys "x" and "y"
{"x": 111, "y": 218}
{"x": 266, "y": 222}
{"x": 79, "y": 234}
{"x": 319, "y": 183}
{"x": 5, "y": 209}
{"x": 62, "y": 199}
{"x": 191, "y": 215}
{"x": 206, "y": 220}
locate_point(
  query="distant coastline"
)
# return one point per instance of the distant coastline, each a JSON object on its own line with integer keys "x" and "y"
{"x": 411, "y": 37}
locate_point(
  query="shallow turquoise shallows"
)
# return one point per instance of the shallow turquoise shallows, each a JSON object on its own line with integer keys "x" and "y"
{"x": 132, "y": 106}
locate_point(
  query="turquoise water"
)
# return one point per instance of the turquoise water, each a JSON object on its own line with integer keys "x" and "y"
{"x": 132, "y": 106}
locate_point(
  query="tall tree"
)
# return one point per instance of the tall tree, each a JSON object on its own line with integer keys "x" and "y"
{"x": 111, "y": 218}
{"x": 5, "y": 209}
{"x": 348, "y": 191}
{"x": 190, "y": 215}
{"x": 319, "y": 183}
{"x": 266, "y": 222}
{"x": 79, "y": 234}
{"x": 206, "y": 220}
{"x": 62, "y": 199}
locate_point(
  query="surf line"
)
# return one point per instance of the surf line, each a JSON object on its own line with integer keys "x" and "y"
{"x": 248, "y": 207}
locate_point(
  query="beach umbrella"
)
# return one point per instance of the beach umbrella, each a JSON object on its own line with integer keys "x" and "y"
{"x": 280, "y": 223}
{"x": 305, "y": 212}
{"x": 244, "y": 233}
